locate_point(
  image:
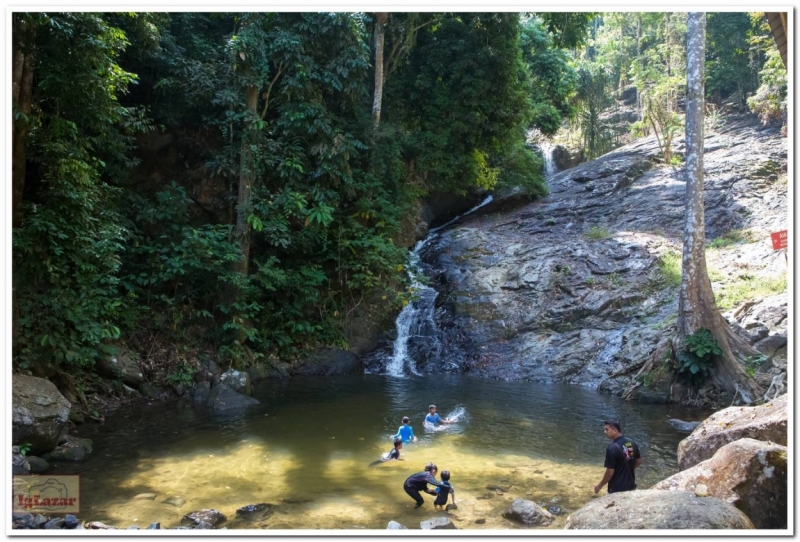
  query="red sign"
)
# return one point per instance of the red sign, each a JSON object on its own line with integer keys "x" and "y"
{"x": 780, "y": 239}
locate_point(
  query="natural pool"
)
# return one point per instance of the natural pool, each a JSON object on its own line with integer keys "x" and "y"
{"x": 307, "y": 447}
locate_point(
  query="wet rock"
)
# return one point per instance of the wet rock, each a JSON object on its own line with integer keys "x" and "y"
{"x": 750, "y": 474}
{"x": 296, "y": 500}
{"x": 528, "y": 513}
{"x": 253, "y": 512}
{"x": 55, "y": 523}
{"x": 451, "y": 507}
{"x": 480, "y": 521}
{"x": 175, "y": 501}
{"x": 133, "y": 528}
{"x": 39, "y": 413}
{"x": 154, "y": 526}
{"x": 437, "y": 523}
{"x": 145, "y": 497}
{"x": 76, "y": 417}
{"x": 203, "y": 525}
{"x": 21, "y": 520}
{"x": 70, "y": 521}
{"x": 328, "y": 361}
{"x": 20, "y": 466}
{"x": 656, "y": 509}
{"x": 393, "y": 525}
{"x": 553, "y": 509}
{"x": 208, "y": 515}
{"x": 681, "y": 425}
{"x": 504, "y": 489}
{"x": 223, "y": 398}
{"x": 564, "y": 158}
{"x": 123, "y": 366}
{"x": 767, "y": 422}
{"x": 202, "y": 392}
{"x": 37, "y": 464}
{"x": 38, "y": 521}
{"x": 73, "y": 449}
{"x": 99, "y": 525}
{"x": 150, "y": 391}
{"x": 238, "y": 381}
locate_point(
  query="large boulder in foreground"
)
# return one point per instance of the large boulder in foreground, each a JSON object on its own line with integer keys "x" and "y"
{"x": 764, "y": 422}
{"x": 750, "y": 474}
{"x": 328, "y": 361}
{"x": 528, "y": 513}
{"x": 655, "y": 509}
{"x": 39, "y": 413}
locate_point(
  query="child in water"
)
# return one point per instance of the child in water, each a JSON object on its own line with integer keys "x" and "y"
{"x": 434, "y": 419}
{"x": 444, "y": 490}
{"x": 394, "y": 454}
{"x": 405, "y": 432}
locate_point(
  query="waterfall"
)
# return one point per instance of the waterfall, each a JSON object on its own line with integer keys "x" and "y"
{"x": 417, "y": 331}
{"x": 547, "y": 153}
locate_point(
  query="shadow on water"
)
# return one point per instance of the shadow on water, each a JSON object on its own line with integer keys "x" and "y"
{"x": 307, "y": 446}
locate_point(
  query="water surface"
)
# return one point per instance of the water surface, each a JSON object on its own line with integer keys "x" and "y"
{"x": 307, "y": 448}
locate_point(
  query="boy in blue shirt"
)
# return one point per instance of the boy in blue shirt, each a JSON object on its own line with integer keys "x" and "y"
{"x": 444, "y": 490}
{"x": 405, "y": 432}
{"x": 433, "y": 418}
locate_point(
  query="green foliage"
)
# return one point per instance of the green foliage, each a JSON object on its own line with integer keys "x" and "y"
{"x": 670, "y": 268}
{"x": 769, "y": 101}
{"x": 182, "y": 376}
{"x": 697, "y": 358}
{"x": 522, "y": 168}
{"x": 731, "y": 64}
{"x": 746, "y": 287}
{"x": 593, "y": 99}
{"x": 25, "y": 448}
{"x": 596, "y": 233}
{"x": 732, "y": 237}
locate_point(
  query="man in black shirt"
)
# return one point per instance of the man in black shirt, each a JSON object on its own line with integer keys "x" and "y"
{"x": 622, "y": 459}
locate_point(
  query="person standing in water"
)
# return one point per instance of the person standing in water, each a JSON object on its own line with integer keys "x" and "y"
{"x": 405, "y": 432}
{"x": 434, "y": 419}
{"x": 419, "y": 482}
{"x": 622, "y": 459}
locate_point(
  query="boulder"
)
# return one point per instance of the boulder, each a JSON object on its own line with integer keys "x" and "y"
{"x": 764, "y": 422}
{"x": 224, "y": 398}
{"x": 201, "y": 393}
{"x": 681, "y": 425}
{"x": 750, "y": 474}
{"x": 254, "y": 512}
{"x": 55, "y": 523}
{"x": 437, "y": 523}
{"x": 37, "y": 464}
{"x": 71, "y": 449}
{"x": 628, "y": 95}
{"x": 124, "y": 366}
{"x": 393, "y": 526}
{"x": 656, "y": 509}
{"x": 39, "y": 413}
{"x": 328, "y": 361}
{"x": 70, "y": 521}
{"x": 565, "y": 158}
{"x": 238, "y": 381}
{"x": 206, "y": 515}
{"x": 528, "y": 513}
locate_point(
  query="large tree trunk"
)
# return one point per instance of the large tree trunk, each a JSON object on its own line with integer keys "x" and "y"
{"x": 379, "y": 39}
{"x": 22, "y": 90}
{"x": 696, "y": 307}
{"x": 246, "y": 177}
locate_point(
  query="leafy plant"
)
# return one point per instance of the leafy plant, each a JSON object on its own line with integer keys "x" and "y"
{"x": 696, "y": 360}
{"x": 597, "y": 232}
{"x": 183, "y": 375}
{"x": 25, "y": 448}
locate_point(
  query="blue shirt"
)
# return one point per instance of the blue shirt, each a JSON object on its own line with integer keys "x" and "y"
{"x": 433, "y": 418}
{"x": 405, "y": 432}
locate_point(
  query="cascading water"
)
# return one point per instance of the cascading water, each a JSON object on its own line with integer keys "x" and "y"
{"x": 547, "y": 153}
{"x": 417, "y": 331}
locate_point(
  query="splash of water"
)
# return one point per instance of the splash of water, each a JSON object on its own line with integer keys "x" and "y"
{"x": 458, "y": 415}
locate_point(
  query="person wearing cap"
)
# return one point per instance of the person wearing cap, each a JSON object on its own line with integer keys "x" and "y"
{"x": 622, "y": 460}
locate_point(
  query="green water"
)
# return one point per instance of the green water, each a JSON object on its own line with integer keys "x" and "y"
{"x": 307, "y": 447}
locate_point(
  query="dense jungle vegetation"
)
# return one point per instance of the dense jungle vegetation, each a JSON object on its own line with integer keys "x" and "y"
{"x": 242, "y": 182}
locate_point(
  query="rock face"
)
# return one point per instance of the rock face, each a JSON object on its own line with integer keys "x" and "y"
{"x": 528, "y": 513}
{"x": 655, "y": 509}
{"x": 224, "y": 398}
{"x": 124, "y": 365}
{"x": 571, "y": 288}
{"x": 328, "y": 361}
{"x": 765, "y": 422}
{"x": 39, "y": 413}
{"x": 73, "y": 449}
{"x": 564, "y": 158}
{"x": 750, "y": 474}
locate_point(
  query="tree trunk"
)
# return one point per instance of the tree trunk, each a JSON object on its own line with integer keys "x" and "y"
{"x": 379, "y": 39}
{"x": 639, "y": 62}
{"x": 246, "y": 177}
{"x": 22, "y": 90}
{"x": 696, "y": 306}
